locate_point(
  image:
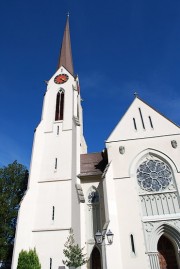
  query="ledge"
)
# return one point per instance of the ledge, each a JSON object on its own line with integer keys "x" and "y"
{"x": 50, "y": 230}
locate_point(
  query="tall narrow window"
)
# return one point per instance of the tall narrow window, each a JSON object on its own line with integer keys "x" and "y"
{"x": 78, "y": 111}
{"x": 50, "y": 263}
{"x": 57, "y": 130}
{"x": 55, "y": 166}
{"x": 150, "y": 120}
{"x": 141, "y": 118}
{"x": 134, "y": 121}
{"x": 132, "y": 243}
{"x": 53, "y": 210}
{"x": 59, "y": 115}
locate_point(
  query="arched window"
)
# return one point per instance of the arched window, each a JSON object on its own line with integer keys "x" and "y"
{"x": 154, "y": 175}
{"x": 59, "y": 114}
{"x": 157, "y": 188}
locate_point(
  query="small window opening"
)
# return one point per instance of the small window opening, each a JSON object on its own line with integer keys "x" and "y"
{"x": 57, "y": 130}
{"x": 50, "y": 264}
{"x": 55, "y": 166}
{"x": 132, "y": 244}
{"x": 135, "y": 127}
{"x": 141, "y": 118}
{"x": 150, "y": 120}
{"x": 59, "y": 114}
{"x": 53, "y": 210}
{"x": 78, "y": 111}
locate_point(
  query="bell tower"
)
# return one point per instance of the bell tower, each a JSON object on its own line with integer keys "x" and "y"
{"x": 50, "y": 207}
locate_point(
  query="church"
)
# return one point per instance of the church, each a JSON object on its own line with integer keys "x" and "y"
{"x": 122, "y": 203}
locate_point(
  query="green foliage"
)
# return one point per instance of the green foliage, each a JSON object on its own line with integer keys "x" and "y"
{"x": 73, "y": 253}
{"x": 13, "y": 183}
{"x": 28, "y": 260}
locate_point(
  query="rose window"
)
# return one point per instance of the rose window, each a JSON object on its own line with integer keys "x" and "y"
{"x": 154, "y": 175}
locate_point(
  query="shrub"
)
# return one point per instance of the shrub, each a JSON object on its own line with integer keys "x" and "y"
{"x": 28, "y": 260}
{"x": 73, "y": 253}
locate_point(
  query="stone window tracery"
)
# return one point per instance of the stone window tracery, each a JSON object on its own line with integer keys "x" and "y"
{"x": 157, "y": 189}
{"x": 154, "y": 175}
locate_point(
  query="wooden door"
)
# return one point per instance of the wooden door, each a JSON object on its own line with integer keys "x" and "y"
{"x": 95, "y": 259}
{"x": 167, "y": 254}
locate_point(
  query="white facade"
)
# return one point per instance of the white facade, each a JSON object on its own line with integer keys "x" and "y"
{"x": 141, "y": 136}
{"x": 136, "y": 195}
{"x": 51, "y": 188}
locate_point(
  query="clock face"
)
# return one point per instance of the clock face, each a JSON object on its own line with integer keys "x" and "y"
{"x": 60, "y": 79}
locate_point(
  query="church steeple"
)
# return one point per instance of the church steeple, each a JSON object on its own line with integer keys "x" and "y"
{"x": 55, "y": 163}
{"x": 65, "y": 58}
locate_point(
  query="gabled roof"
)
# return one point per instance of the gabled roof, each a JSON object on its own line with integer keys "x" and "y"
{"x": 93, "y": 164}
{"x": 142, "y": 121}
{"x": 65, "y": 57}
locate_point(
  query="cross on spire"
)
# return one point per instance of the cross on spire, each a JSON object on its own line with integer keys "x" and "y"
{"x": 135, "y": 94}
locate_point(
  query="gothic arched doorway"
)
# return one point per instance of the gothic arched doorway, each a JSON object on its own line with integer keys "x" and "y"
{"x": 95, "y": 259}
{"x": 167, "y": 254}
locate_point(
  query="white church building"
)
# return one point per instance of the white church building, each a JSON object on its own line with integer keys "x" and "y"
{"x": 130, "y": 189}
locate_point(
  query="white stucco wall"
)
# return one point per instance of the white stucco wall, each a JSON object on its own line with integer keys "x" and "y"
{"x": 51, "y": 186}
{"x": 122, "y": 188}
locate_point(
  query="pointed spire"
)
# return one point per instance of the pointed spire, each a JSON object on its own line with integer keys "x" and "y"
{"x": 65, "y": 57}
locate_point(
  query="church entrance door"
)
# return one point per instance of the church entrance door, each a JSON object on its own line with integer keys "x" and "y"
{"x": 95, "y": 259}
{"x": 167, "y": 254}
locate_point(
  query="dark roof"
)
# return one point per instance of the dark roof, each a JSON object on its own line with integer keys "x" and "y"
{"x": 93, "y": 164}
{"x": 65, "y": 58}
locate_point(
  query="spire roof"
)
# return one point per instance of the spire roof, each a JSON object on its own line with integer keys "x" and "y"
{"x": 65, "y": 58}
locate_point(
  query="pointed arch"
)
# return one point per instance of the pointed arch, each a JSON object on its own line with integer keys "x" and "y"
{"x": 167, "y": 253}
{"x": 59, "y": 113}
{"x": 171, "y": 235}
{"x": 154, "y": 174}
{"x": 167, "y": 230}
{"x": 156, "y": 153}
{"x": 95, "y": 259}
{"x": 155, "y": 157}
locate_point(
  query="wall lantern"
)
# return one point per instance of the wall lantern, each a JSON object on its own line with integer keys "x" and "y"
{"x": 99, "y": 237}
{"x": 110, "y": 236}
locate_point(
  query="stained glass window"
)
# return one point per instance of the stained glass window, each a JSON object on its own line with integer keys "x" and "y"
{"x": 154, "y": 175}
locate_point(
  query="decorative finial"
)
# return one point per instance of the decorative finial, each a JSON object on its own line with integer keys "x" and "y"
{"x": 46, "y": 82}
{"x": 135, "y": 94}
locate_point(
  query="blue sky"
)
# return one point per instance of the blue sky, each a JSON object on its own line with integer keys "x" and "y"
{"x": 119, "y": 47}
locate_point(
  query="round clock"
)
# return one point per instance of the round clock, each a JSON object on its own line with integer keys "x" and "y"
{"x": 60, "y": 79}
